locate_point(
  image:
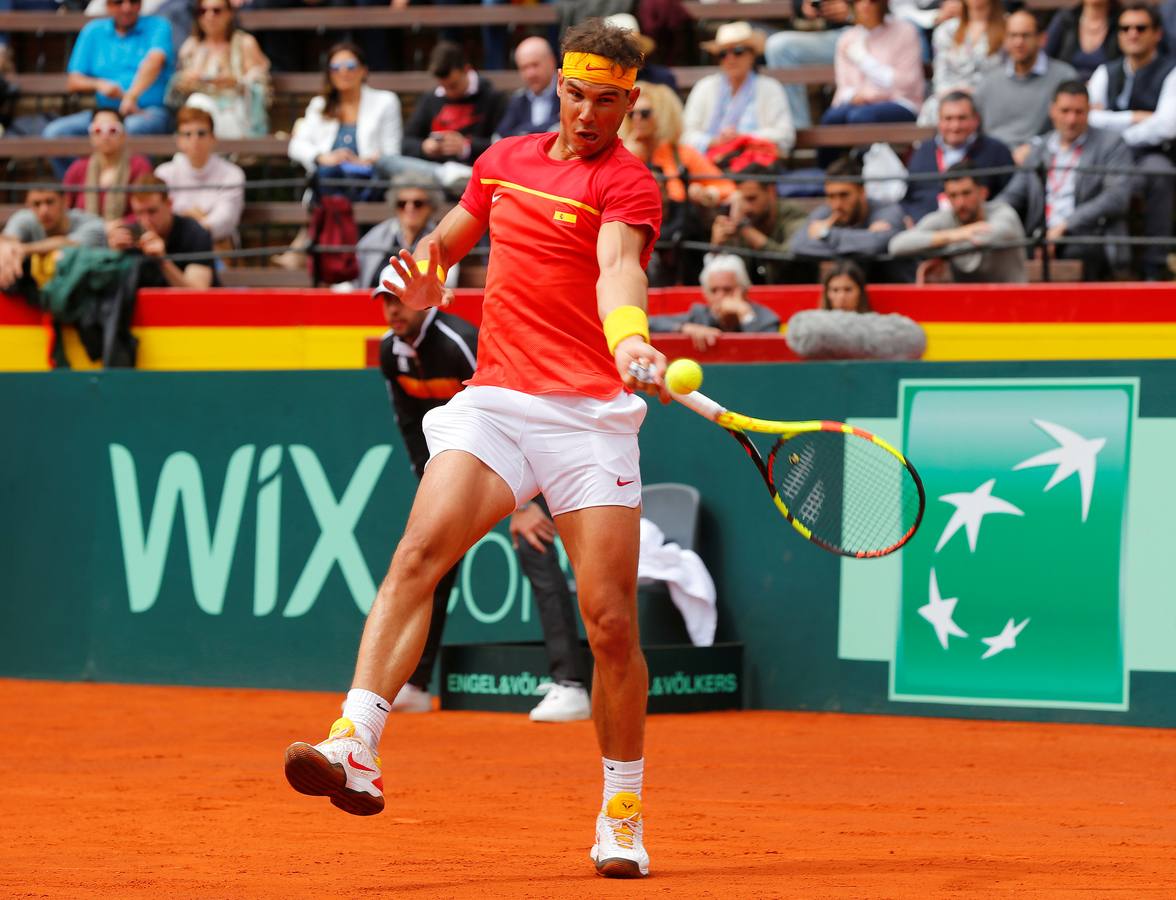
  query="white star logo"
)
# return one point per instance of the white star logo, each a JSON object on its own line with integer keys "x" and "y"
{"x": 971, "y": 508}
{"x": 1006, "y": 640}
{"x": 1074, "y": 454}
{"x": 939, "y": 612}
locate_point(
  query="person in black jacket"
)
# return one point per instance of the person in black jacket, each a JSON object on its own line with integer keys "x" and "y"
{"x": 958, "y": 138}
{"x": 450, "y": 127}
{"x": 425, "y": 357}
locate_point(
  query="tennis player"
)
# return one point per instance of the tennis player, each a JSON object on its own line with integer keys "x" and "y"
{"x": 573, "y": 217}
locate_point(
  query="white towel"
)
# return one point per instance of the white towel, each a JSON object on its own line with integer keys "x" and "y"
{"x": 691, "y": 587}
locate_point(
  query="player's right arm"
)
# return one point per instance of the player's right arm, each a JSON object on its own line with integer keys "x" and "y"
{"x": 447, "y": 244}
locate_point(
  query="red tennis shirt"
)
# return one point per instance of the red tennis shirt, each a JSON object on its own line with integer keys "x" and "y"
{"x": 541, "y": 332}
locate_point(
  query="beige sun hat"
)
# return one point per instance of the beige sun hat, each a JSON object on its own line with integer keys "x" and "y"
{"x": 627, "y": 22}
{"x": 733, "y": 34}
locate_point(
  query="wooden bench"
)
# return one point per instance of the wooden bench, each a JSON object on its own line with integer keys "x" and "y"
{"x": 165, "y": 145}
{"x": 309, "y": 83}
{"x": 428, "y": 16}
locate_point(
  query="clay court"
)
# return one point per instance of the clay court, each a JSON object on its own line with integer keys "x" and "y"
{"x": 117, "y": 791}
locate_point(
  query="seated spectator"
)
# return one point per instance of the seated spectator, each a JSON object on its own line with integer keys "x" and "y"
{"x": 533, "y": 107}
{"x": 690, "y": 183}
{"x": 971, "y": 222}
{"x": 737, "y": 101}
{"x": 958, "y": 138}
{"x": 110, "y": 166}
{"x": 759, "y": 219}
{"x": 207, "y": 187}
{"x": 47, "y": 224}
{"x": 878, "y": 68}
{"x": 1135, "y": 97}
{"x": 724, "y": 285}
{"x": 1084, "y": 36}
{"x": 451, "y": 127}
{"x": 1076, "y": 200}
{"x": 349, "y": 126}
{"x": 815, "y": 45}
{"x": 650, "y": 72}
{"x": 848, "y": 224}
{"x": 845, "y": 327}
{"x": 222, "y": 69}
{"x": 126, "y": 61}
{"x": 158, "y": 233}
{"x": 417, "y": 214}
{"x": 1014, "y": 99}
{"x": 844, "y": 288}
{"x": 965, "y": 47}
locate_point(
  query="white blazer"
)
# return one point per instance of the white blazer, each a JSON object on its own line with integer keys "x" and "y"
{"x": 378, "y": 129}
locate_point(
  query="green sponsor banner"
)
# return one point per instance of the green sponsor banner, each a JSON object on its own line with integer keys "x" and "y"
{"x": 1012, "y": 591}
{"x": 504, "y": 677}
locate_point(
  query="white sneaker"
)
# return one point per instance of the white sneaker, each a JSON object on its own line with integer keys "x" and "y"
{"x": 619, "y": 851}
{"x": 342, "y": 767}
{"x": 562, "y": 703}
{"x": 412, "y": 699}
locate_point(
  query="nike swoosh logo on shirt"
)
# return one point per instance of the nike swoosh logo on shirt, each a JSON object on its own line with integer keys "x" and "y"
{"x": 623, "y": 483}
{"x": 495, "y": 198}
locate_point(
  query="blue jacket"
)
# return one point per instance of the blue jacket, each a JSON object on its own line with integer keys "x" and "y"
{"x": 922, "y": 197}
{"x": 517, "y": 118}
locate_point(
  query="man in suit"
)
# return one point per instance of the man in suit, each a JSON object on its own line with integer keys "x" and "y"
{"x": 958, "y": 139}
{"x": 1135, "y": 97}
{"x": 533, "y": 107}
{"x": 1075, "y": 201}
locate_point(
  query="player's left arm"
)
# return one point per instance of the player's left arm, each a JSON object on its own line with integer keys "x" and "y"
{"x": 622, "y": 293}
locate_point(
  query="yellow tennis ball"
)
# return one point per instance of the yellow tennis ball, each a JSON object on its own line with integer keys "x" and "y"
{"x": 684, "y": 376}
{"x": 423, "y": 267}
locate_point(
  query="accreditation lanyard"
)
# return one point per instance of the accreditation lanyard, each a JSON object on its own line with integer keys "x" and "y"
{"x": 1055, "y": 180}
{"x": 941, "y": 197}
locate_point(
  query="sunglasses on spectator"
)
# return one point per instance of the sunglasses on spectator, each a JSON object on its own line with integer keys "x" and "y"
{"x": 733, "y": 51}
{"x": 123, "y": 2}
{"x": 211, "y": 10}
{"x": 194, "y": 133}
{"x": 347, "y": 66}
{"x": 107, "y": 131}
{"x": 1142, "y": 29}
{"x": 415, "y": 204}
{"x": 640, "y": 113}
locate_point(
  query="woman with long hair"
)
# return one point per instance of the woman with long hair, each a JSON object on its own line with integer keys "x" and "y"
{"x": 844, "y": 288}
{"x": 110, "y": 166}
{"x": 349, "y": 126}
{"x": 1084, "y": 35}
{"x": 965, "y": 48}
{"x": 223, "y": 70}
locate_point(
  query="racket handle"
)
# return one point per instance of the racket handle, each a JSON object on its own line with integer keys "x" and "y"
{"x": 700, "y": 403}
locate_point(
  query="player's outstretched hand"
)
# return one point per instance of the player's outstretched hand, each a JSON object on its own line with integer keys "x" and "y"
{"x": 420, "y": 287}
{"x": 634, "y": 355}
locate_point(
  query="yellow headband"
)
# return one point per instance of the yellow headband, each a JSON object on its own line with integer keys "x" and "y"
{"x": 598, "y": 70}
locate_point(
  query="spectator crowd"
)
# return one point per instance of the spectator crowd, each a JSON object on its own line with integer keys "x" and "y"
{"x": 1053, "y": 134}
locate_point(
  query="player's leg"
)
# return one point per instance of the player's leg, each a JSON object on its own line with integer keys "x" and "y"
{"x": 459, "y": 499}
{"x": 603, "y": 543}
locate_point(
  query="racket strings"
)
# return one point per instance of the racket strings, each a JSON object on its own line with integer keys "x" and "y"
{"x": 852, "y": 494}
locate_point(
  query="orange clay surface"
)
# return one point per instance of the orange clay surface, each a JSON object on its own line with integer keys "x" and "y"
{"x": 128, "y": 792}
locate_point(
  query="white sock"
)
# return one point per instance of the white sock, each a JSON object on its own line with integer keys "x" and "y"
{"x": 368, "y": 712}
{"x": 622, "y": 777}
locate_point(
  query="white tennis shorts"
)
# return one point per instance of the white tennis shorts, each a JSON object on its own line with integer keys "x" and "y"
{"x": 577, "y": 451}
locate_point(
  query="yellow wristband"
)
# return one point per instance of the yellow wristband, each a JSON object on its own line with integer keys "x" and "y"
{"x": 623, "y": 322}
{"x": 423, "y": 268}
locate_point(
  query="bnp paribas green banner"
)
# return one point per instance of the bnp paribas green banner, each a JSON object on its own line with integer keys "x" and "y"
{"x": 1012, "y": 591}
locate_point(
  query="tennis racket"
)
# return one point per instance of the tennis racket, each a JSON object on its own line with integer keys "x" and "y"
{"x": 841, "y": 487}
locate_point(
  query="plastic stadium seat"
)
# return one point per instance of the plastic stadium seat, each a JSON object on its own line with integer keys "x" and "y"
{"x": 673, "y": 508}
